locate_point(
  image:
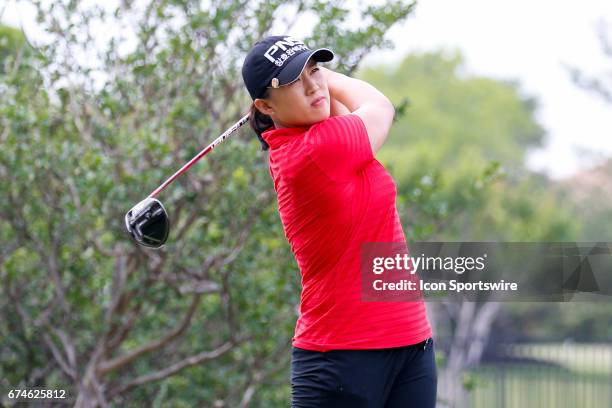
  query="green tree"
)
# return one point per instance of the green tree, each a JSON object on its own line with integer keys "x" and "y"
{"x": 586, "y": 193}
{"x": 88, "y": 130}
{"x": 458, "y": 155}
{"x": 589, "y": 190}
{"x": 13, "y": 48}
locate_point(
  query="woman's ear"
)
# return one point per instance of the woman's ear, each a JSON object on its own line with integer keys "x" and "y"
{"x": 263, "y": 107}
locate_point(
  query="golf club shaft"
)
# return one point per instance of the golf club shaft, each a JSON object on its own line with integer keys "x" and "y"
{"x": 207, "y": 149}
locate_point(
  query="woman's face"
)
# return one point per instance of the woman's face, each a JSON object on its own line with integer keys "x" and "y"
{"x": 292, "y": 105}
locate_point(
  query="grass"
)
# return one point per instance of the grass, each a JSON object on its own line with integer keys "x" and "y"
{"x": 583, "y": 358}
{"x": 510, "y": 386}
{"x": 560, "y": 375}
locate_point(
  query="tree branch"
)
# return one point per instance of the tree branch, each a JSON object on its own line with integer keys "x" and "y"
{"x": 121, "y": 361}
{"x": 175, "y": 368}
{"x": 250, "y": 390}
{"x": 68, "y": 367}
{"x": 58, "y": 357}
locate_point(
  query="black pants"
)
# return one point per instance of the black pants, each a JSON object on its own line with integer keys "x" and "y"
{"x": 401, "y": 377}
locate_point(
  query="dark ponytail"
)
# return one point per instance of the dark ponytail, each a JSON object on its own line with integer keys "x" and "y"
{"x": 260, "y": 123}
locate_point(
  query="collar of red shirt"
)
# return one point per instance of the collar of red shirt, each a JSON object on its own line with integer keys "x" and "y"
{"x": 278, "y": 137}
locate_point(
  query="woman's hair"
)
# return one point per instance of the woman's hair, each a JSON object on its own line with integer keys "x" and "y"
{"x": 260, "y": 123}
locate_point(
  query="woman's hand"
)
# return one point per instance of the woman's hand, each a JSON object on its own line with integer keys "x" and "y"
{"x": 362, "y": 99}
{"x": 337, "y": 108}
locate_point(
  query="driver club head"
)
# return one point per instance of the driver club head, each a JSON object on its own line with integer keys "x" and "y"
{"x": 147, "y": 222}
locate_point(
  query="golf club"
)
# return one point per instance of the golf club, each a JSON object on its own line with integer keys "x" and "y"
{"x": 147, "y": 222}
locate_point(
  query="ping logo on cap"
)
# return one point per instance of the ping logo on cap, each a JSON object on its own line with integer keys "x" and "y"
{"x": 289, "y": 45}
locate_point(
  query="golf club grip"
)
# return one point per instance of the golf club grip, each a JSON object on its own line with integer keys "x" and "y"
{"x": 207, "y": 149}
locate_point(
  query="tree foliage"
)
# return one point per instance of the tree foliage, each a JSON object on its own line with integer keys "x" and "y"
{"x": 458, "y": 155}
{"x": 110, "y": 104}
{"x": 93, "y": 119}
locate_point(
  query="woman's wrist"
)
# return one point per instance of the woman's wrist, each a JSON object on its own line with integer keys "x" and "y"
{"x": 332, "y": 82}
{"x": 351, "y": 92}
{"x": 336, "y": 107}
{"x": 340, "y": 89}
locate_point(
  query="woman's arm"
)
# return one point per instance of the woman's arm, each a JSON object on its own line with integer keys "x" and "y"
{"x": 362, "y": 99}
{"x": 337, "y": 107}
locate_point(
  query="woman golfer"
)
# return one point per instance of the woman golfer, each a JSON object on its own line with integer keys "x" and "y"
{"x": 323, "y": 129}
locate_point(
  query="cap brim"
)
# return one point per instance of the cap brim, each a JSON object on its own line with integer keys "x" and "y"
{"x": 296, "y": 66}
